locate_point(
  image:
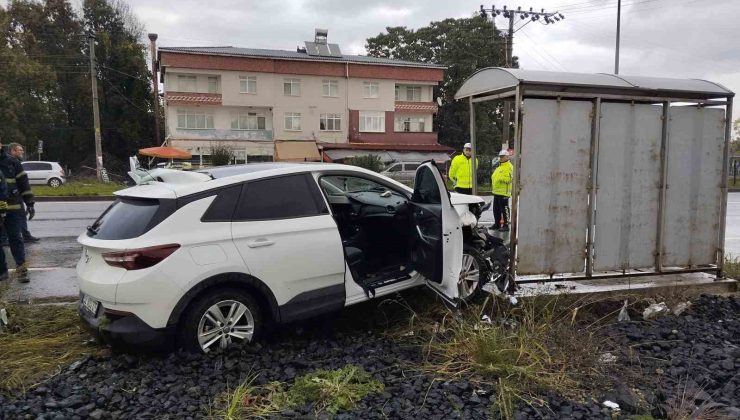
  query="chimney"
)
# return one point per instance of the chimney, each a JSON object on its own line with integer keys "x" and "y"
{"x": 321, "y": 36}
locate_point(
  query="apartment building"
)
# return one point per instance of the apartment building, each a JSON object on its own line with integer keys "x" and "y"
{"x": 311, "y": 104}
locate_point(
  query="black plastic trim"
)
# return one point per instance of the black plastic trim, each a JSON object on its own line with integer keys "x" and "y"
{"x": 314, "y": 302}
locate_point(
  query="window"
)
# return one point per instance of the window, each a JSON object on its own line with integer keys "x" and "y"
{"x": 247, "y": 121}
{"x": 398, "y": 93}
{"x": 213, "y": 84}
{"x": 330, "y": 122}
{"x": 36, "y": 166}
{"x": 247, "y": 84}
{"x": 395, "y": 168}
{"x": 280, "y": 198}
{"x": 293, "y": 121}
{"x": 426, "y": 189}
{"x": 128, "y": 218}
{"x": 413, "y": 93}
{"x": 370, "y": 89}
{"x": 292, "y": 87}
{"x": 410, "y": 166}
{"x": 187, "y": 83}
{"x": 408, "y": 124}
{"x": 372, "y": 122}
{"x": 330, "y": 88}
{"x": 194, "y": 119}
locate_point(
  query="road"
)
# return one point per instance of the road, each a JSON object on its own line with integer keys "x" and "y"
{"x": 53, "y": 259}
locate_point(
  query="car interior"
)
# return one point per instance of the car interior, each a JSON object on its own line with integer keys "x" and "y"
{"x": 375, "y": 226}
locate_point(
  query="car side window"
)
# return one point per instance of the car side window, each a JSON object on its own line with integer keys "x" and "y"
{"x": 395, "y": 168}
{"x": 31, "y": 166}
{"x": 426, "y": 190}
{"x": 282, "y": 197}
{"x": 44, "y": 166}
{"x": 410, "y": 166}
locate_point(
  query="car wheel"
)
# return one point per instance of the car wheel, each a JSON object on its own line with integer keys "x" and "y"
{"x": 473, "y": 274}
{"x": 220, "y": 319}
{"x": 55, "y": 182}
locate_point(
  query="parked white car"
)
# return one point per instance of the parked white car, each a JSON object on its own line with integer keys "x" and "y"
{"x": 212, "y": 261}
{"x": 401, "y": 171}
{"x": 44, "y": 173}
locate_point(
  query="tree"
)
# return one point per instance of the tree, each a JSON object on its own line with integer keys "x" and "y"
{"x": 463, "y": 46}
{"x": 221, "y": 154}
{"x": 735, "y": 140}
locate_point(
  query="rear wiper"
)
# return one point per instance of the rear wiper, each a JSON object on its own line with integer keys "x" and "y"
{"x": 93, "y": 229}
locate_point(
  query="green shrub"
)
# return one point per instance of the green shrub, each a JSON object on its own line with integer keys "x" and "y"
{"x": 371, "y": 162}
{"x": 221, "y": 154}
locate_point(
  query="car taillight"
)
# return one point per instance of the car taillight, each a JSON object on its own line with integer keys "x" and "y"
{"x": 137, "y": 259}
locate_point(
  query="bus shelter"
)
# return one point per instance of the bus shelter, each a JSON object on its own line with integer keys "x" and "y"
{"x": 615, "y": 175}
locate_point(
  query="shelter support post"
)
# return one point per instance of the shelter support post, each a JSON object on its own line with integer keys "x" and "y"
{"x": 513, "y": 236}
{"x": 723, "y": 196}
{"x": 473, "y": 149}
{"x": 592, "y": 185}
{"x": 664, "y": 137}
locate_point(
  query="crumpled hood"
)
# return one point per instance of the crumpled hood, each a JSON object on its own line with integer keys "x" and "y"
{"x": 457, "y": 198}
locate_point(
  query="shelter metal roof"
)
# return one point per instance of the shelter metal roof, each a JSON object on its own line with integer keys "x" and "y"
{"x": 497, "y": 79}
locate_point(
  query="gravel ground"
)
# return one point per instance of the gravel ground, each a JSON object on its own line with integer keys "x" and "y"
{"x": 702, "y": 345}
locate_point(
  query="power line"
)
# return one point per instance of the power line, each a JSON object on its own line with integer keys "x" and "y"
{"x": 122, "y": 95}
{"x": 123, "y": 73}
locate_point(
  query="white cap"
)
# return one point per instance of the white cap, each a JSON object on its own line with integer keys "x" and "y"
{"x": 467, "y": 146}
{"x": 503, "y": 153}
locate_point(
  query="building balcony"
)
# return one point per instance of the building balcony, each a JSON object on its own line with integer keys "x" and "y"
{"x": 221, "y": 134}
{"x": 407, "y": 107}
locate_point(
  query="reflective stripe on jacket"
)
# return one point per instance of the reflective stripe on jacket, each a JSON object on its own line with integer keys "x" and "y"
{"x": 501, "y": 179}
{"x": 461, "y": 171}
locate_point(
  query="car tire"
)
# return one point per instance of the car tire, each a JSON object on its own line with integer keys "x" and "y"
{"x": 54, "y": 183}
{"x": 470, "y": 284}
{"x": 202, "y": 330}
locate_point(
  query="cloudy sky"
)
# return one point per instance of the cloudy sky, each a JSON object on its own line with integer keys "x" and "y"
{"x": 672, "y": 38}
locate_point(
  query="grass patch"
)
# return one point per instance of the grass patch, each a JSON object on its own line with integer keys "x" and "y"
{"x": 542, "y": 344}
{"x": 328, "y": 390}
{"x": 732, "y": 267}
{"x": 77, "y": 189}
{"x": 38, "y": 342}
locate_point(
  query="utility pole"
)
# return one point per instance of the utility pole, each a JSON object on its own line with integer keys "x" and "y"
{"x": 155, "y": 82}
{"x": 511, "y": 14}
{"x": 96, "y": 112}
{"x": 616, "y": 53}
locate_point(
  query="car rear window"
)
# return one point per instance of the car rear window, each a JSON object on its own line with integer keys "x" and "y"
{"x": 129, "y": 218}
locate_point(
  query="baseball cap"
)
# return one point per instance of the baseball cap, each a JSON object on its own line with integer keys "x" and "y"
{"x": 467, "y": 146}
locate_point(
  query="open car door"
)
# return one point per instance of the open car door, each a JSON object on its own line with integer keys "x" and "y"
{"x": 437, "y": 239}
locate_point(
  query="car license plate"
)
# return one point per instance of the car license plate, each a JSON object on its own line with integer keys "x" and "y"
{"x": 90, "y": 304}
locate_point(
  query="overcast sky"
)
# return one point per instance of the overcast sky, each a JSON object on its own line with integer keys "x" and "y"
{"x": 671, "y": 38}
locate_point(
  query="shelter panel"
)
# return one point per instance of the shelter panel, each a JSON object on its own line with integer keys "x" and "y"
{"x": 553, "y": 196}
{"x": 628, "y": 186}
{"x": 692, "y": 206}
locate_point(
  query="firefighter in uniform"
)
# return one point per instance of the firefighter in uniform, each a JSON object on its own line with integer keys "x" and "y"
{"x": 19, "y": 190}
{"x": 501, "y": 180}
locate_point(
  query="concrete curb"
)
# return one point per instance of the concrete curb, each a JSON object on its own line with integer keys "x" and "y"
{"x": 75, "y": 198}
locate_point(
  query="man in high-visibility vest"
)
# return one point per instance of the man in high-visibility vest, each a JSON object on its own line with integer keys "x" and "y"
{"x": 461, "y": 170}
{"x": 501, "y": 180}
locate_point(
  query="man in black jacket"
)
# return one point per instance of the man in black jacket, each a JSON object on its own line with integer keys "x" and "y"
{"x": 19, "y": 191}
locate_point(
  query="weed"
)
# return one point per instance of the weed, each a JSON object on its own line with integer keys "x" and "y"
{"x": 732, "y": 267}
{"x": 682, "y": 406}
{"x": 78, "y": 188}
{"x": 328, "y": 390}
{"x": 39, "y": 341}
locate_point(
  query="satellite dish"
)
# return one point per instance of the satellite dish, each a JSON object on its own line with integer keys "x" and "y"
{"x": 439, "y": 101}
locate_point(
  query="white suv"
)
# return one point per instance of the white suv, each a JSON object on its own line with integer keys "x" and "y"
{"x": 212, "y": 260}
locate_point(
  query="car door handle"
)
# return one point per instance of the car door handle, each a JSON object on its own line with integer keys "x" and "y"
{"x": 260, "y": 243}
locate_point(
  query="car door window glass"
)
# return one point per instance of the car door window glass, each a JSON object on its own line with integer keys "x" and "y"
{"x": 426, "y": 190}
{"x": 411, "y": 166}
{"x": 33, "y": 166}
{"x": 279, "y": 198}
{"x": 45, "y": 166}
{"x": 395, "y": 168}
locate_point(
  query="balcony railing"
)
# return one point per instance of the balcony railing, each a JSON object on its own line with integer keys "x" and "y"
{"x": 221, "y": 134}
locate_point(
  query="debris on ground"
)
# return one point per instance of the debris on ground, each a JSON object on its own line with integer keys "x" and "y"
{"x": 681, "y": 308}
{"x": 607, "y": 358}
{"x": 611, "y": 405}
{"x": 655, "y": 310}
{"x": 623, "y": 315}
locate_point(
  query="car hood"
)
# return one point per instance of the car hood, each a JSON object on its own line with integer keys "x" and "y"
{"x": 457, "y": 198}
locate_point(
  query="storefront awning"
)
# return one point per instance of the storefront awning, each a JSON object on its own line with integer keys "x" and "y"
{"x": 296, "y": 151}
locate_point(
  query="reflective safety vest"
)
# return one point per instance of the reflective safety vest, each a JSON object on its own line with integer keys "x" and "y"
{"x": 501, "y": 179}
{"x": 461, "y": 171}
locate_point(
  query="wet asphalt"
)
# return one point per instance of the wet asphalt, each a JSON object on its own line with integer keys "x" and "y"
{"x": 53, "y": 258}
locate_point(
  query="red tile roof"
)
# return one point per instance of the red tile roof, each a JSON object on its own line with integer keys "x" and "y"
{"x": 380, "y": 146}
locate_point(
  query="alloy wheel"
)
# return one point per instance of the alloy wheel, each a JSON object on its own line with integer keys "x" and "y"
{"x": 467, "y": 284}
{"x": 224, "y": 323}
{"x": 54, "y": 183}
